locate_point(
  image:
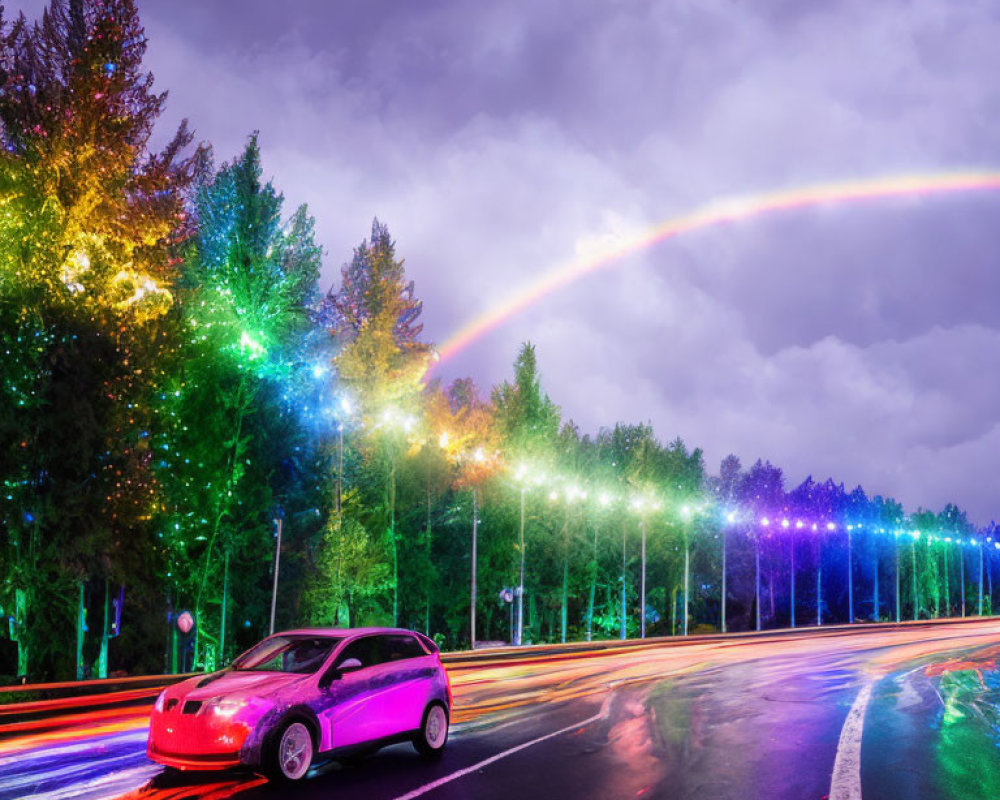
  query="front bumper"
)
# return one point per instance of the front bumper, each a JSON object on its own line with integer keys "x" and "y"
{"x": 212, "y": 761}
{"x": 196, "y": 742}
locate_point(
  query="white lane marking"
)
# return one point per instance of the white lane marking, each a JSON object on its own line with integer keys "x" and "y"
{"x": 846, "y": 781}
{"x": 421, "y": 790}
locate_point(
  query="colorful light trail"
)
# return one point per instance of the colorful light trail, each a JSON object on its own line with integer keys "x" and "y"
{"x": 717, "y": 212}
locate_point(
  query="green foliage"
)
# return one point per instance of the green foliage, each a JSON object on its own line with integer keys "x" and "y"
{"x": 226, "y": 407}
{"x": 352, "y": 570}
{"x": 169, "y": 378}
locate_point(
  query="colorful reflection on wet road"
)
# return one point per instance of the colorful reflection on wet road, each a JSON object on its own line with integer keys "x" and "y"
{"x": 696, "y": 717}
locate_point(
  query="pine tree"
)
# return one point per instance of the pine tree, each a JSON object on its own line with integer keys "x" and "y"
{"x": 87, "y": 273}
{"x": 228, "y": 416}
{"x": 381, "y": 365}
{"x": 526, "y": 418}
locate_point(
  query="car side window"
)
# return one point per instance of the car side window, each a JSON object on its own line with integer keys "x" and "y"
{"x": 365, "y": 650}
{"x": 400, "y": 647}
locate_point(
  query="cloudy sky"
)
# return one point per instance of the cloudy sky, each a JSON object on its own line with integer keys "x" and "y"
{"x": 498, "y": 140}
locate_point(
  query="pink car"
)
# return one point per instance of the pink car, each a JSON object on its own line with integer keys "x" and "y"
{"x": 303, "y": 693}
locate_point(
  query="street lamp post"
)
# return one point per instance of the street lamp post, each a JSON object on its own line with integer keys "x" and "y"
{"x": 642, "y": 600}
{"x": 898, "y": 611}
{"x": 624, "y": 631}
{"x": 571, "y": 495}
{"x": 875, "y": 603}
{"x": 792, "y": 566}
{"x": 472, "y": 592}
{"x": 947, "y": 583}
{"x": 756, "y": 582}
{"x": 730, "y": 519}
{"x": 961, "y": 572}
{"x": 520, "y": 585}
{"x": 479, "y": 457}
{"x": 604, "y": 500}
{"x": 850, "y": 579}
{"x": 980, "y": 578}
{"x": 277, "y": 563}
{"x": 686, "y": 512}
{"x": 522, "y": 477}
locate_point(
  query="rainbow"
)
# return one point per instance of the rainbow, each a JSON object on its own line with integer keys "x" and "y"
{"x": 717, "y": 212}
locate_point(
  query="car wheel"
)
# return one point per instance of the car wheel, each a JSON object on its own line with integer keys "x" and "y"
{"x": 433, "y": 734}
{"x": 291, "y": 752}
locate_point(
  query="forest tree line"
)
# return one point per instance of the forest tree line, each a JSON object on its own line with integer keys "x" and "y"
{"x": 175, "y": 382}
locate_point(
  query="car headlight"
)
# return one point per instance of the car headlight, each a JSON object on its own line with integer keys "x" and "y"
{"x": 158, "y": 705}
{"x": 224, "y": 706}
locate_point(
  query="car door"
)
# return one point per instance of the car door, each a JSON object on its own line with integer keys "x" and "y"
{"x": 406, "y": 672}
{"x": 350, "y": 701}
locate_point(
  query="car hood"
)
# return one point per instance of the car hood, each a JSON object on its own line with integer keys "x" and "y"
{"x": 235, "y": 684}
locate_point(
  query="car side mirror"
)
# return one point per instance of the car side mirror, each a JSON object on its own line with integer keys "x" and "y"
{"x": 336, "y": 673}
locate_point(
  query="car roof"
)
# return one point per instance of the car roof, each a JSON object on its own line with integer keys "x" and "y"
{"x": 340, "y": 632}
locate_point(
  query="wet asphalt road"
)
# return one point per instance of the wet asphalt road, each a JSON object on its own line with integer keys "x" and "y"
{"x": 748, "y": 718}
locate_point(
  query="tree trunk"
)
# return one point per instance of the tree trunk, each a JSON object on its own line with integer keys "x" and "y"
{"x": 472, "y": 601}
{"x": 593, "y": 589}
{"x": 673, "y": 610}
{"x": 223, "y": 506}
{"x": 850, "y": 582}
{"x": 756, "y": 582}
{"x": 427, "y": 616}
{"x": 687, "y": 581}
{"x": 792, "y": 604}
{"x": 392, "y": 539}
{"x": 565, "y": 588}
{"x": 875, "y": 614}
{"x": 947, "y": 584}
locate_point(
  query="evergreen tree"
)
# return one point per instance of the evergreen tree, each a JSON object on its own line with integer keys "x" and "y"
{"x": 526, "y": 418}
{"x": 380, "y": 365}
{"x": 231, "y": 446}
{"x": 87, "y": 273}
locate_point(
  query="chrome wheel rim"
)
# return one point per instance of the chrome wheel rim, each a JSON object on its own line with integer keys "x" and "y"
{"x": 436, "y": 729}
{"x": 295, "y": 751}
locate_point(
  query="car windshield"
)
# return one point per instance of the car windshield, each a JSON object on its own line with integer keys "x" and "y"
{"x": 294, "y": 654}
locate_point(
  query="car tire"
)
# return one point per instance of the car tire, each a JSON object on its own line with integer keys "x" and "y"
{"x": 433, "y": 734}
{"x": 291, "y": 752}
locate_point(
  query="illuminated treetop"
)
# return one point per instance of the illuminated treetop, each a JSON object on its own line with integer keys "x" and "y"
{"x": 77, "y": 110}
